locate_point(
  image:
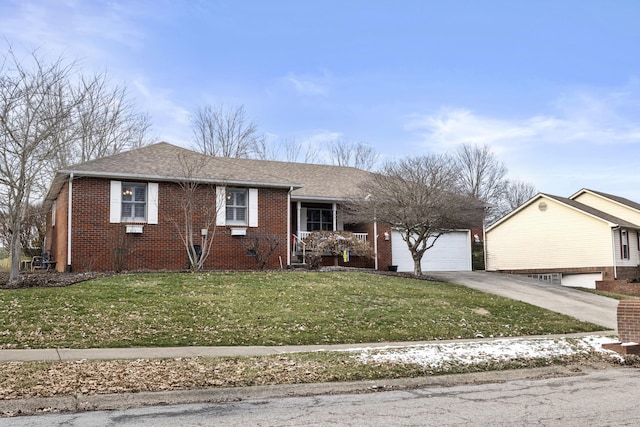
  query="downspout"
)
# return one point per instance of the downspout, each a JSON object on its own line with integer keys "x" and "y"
{"x": 375, "y": 239}
{"x": 298, "y": 209}
{"x": 69, "y": 218}
{"x": 613, "y": 252}
{"x": 289, "y": 226}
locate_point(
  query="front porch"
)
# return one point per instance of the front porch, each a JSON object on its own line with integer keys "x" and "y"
{"x": 309, "y": 217}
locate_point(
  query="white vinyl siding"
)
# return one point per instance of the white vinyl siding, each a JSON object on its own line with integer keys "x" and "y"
{"x": 610, "y": 207}
{"x": 633, "y": 258}
{"x": 557, "y": 237}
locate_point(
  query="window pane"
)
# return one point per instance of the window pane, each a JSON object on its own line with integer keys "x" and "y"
{"x": 241, "y": 199}
{"x": 241, "y": 214}
{"x": 127, "y": 193}
{"x": 140, "y": 194}
{"x": 139, "y": 210}
{"x": 126, "y": 210}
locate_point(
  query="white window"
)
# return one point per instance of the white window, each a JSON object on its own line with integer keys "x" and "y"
{"x": 624, "y": 244}
{"x": 236, "y": 206}
{"x": 134, "y": 202}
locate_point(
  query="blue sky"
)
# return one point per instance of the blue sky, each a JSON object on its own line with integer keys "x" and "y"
{"x": 552, "y": 86}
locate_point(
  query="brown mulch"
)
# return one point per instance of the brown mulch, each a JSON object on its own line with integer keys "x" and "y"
{"x": 39, "y": 279}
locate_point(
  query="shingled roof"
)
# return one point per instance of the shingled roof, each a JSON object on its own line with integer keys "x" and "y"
{"x": 595, "y": 212}
{"x": 165, "y": 162}
{"x": 621, "y": 200}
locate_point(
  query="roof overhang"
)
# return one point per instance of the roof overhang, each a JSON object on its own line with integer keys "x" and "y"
{"x": 62, "y": 176}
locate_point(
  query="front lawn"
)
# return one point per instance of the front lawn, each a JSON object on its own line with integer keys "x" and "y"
{"x": 262, "y": 309}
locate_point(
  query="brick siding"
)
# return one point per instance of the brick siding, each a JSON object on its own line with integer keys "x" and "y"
{"x": 98, "y": 245}
{"x": 629, "y": 321}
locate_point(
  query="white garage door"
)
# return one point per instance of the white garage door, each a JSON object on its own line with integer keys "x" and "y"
{"x": 452, "y": 252}
{"x": 584, "y": 280}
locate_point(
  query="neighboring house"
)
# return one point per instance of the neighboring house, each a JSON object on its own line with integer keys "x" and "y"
{"x": 575, "y": 241}
{"x": 125, "y": 212}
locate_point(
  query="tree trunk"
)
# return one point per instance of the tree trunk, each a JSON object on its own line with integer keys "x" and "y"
{"x": 417, "y": 266}
{"x": 16, "y": 252}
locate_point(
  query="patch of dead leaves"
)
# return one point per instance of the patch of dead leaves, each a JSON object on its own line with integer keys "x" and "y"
{"x": 37, "y": 379}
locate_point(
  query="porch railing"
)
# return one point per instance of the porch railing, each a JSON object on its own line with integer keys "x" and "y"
{"x": 360, "y": 236}
{"x": 299, "y": 246}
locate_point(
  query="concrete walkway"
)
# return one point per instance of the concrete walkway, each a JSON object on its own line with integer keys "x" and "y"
{"x": 561, "y": 299}
{"x": 70, "y": 354}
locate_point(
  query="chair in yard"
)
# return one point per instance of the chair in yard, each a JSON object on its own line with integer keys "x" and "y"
{"x": 44, "y": 262}
{"x": 37, "y": 263}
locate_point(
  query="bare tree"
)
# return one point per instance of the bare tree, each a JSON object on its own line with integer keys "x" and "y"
{"x": 358, "y": 155}
{"x": 261, "y": 246}
{"x": 516, "y": 193}
{"x": 419, "y": 198}
{"x": 32, "y": 231}
{"x": 224, "y": 132}
{"x": 37, "y": 103}
{"x": 106, "y": 122}
{"x": 482, "y": 175}
{"x": 196, "y": 226}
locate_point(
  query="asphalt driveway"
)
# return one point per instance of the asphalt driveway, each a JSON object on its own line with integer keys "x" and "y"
{"x": 575, "y": 303}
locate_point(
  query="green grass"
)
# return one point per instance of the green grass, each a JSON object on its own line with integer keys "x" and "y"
{"x": 608, "y": 294}
{"x": 262, "y": 309}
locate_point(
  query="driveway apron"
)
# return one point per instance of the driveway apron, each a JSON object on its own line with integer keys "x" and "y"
{"x": 572, "y": 302}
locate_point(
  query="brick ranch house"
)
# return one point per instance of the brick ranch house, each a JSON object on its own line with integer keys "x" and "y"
{"x": 123, "y": 212}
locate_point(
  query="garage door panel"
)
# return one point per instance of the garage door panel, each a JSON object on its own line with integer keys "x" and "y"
{"x": 451, "y": 252}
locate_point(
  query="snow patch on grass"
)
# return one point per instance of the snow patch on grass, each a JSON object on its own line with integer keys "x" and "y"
{"x": 437, "y": 356}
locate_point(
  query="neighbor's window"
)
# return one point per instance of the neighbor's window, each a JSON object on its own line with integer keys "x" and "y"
{"x": 236, "y": 206}
{"x": 134, "y": 202}
{"x": 624, "y": 243}
{"x": 319, "y": 219}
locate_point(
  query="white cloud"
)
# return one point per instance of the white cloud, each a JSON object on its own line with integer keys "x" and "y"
{"x": 171, "y": 120}
{"x": 309, "y": 85}
{"x": 89, "y": 31}
{"x": 577, "y": 117}
{"x": 588, "y": 138}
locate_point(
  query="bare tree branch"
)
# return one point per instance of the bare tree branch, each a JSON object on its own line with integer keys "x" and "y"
{"x": 358, "y": 155}
{"x": 196, "y": 226}
{"x": 420, "y": 199}
{"x": 224, "y": 132}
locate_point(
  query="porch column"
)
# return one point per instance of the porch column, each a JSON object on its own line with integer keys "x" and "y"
{"x": 298, "y": 209}
{"x": 334, "y": 209}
